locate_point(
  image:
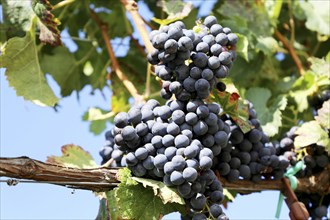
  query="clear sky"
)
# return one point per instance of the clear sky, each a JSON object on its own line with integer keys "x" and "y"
{"x": 37, "y": 132}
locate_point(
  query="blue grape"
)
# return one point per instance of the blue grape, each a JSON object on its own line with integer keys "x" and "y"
{"x": 185, "y": 43}
{"x": 171, "y": 46}
{"x": 210, "y": 20}
{"x": 160, "y": 160}
{"x": 200, "y": 59}
{"x": 178, "y": 162}
{"x": 141, "y": 153}
{"x": 176, "y": 178}
{"x": 190, "y": 174}
{"x": 148, "y": 163}
{"x": 181, "y": 141}
{"x": 170, "y": 152}
{"x": 121, "y": 120}
{"x": 207, "y": 74}
{"x": 205, "y": 163}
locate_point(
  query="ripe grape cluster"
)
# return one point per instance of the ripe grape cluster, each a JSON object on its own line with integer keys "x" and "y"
{"x": 190, "y": 61}
{"x": 176, "y": 143}
{"x": 316, "y": 159}
{"x": 182, "y": 142}
{"x": 249, "y": 156}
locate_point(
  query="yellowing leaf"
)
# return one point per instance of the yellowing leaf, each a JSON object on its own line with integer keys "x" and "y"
{"x": 167, "y": 194}
{"x": 311, "y": 133}
{"x": 73, "y": 156}
{"x": 323, "y": 117}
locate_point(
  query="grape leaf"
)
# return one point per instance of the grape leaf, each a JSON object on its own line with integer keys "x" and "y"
{"x": 19, "y": 57}
{"x": 98, "y": 119}
{"x": 176, "y": 9}
{"x": 311, "y": 133}
{"x": 49, "y": 32}
{"x": 319, "y": 66}
{"x": 268, "y": 45}
{"x": 269, "y": 111}
{"x": 73, "y": 156}
{"x": 303, "y": 87}
{"x": 323, "y": 117}
{"x": 167, "y": 194}
{"x": 234, "y": 107}
{"x": 69, "y": 75}
{"x": 137, "y": 202}
{"x": 317, "y": 14}
{"x": 242, "y": 47}
{"x": 131, "y": 200}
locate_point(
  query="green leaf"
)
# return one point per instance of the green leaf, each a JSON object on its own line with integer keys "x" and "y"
{"x": 229, "y": 195}
{"x": 137, "y": 202}
{"x": 69, "y": 74}
{"x": 19, "y": 57}
{"x": 303, "y": 87}
{"x": 268, "y": 45}
{"x": 319, "y": 66}
{"x": 311, "y": 133}
{"x": 98, "y": 119}
{"x": 318, "y": 17}
{"x": 269, "y": 111}
{"x": 274, "y": 8}
{"x": 234, "y": 107}
{"x": 131, "y": 200}
{"x": 242, "y": 46}
{"x": 167, "y": 194}
{"x": 125, "y": 177}
{"x": 176, "y": 9}
{"x": 73, "y": 156}
{"x": 49, "y": 32}
{"x": 323, "y": 115}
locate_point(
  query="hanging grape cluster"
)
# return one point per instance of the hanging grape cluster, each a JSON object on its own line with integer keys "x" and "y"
{"x": 182, "y": 142}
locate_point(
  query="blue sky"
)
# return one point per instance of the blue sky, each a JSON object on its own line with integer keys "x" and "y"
{"x": 37, "y": 132}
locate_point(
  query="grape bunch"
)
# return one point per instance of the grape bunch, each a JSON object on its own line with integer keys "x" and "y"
{"x": 176, "y": 143}
{"x": 249, "y": 156}
{"x": 190, "y": 62}
{"x": 315, "y": 160}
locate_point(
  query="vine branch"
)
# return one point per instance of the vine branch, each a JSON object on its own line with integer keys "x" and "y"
{"x": 291, "y": 50}
{"x": 132, "y": 8}
{"x": 127, "y": 83}
{"x": 103, "y": 179}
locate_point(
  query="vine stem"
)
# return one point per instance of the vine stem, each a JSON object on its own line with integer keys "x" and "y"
{"x": 102, "y": 179}
{"x": 132, "y": 8}
{"x": 291, "y": 50}
{"x": 115, "y": 66}
{"x": 62, "y": 3}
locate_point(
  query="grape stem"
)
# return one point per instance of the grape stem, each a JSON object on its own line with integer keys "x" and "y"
{"x": 291, "y": 50}
{"x": 132, "y": 8}
{"x": 115, "y": 66}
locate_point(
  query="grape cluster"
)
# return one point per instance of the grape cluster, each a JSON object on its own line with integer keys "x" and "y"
{"x": 315, "y": 160}
{"x": 176, "y": 143}
{"x": 249, "y": 156}
{"x": 110, "y": 150}
{"x": 190, "y": 61}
